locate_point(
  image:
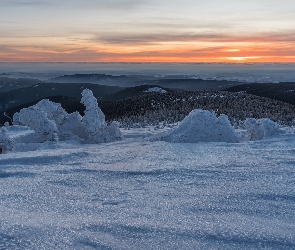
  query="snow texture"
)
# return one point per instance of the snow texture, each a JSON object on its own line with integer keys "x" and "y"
{"x": 6, "y": 143}
{"x": 258, "y": 129}
{"x": 138, "y": 194}
{"x": 201, "y": 126}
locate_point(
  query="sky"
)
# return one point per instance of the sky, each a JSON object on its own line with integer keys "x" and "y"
{"x": 147, "y": 31}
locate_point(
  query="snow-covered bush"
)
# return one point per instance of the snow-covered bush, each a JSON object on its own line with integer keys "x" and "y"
{"x": 201, "y": 126}
{"x": 261, "y": 128}
{"x": 114, "y": 132}
{"x": 51, "y": 122}
{"x": 72, "y": 126}
{"x": 35, "y": 118}
{"x": 53, "y": 110}
{"x": 95, "y": 127}
{"x": 6, "y": 142}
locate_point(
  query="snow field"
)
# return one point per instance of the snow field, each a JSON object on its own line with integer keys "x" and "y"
{"x": 136, "y": 194}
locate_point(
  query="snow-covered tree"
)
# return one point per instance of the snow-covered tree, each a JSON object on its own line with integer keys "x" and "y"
{"x": 6, "y": 143}
{"x": 53, "y": 110}
{"x": 114, "y": 132}
{"x": 67, "y": 124}
{"x": 72, "y": 126}
{"x": 257, "y": 129}
{"x": 204, "y": 126}
{"x": 51, "y": 122}
{"x": 35, "y": 118}
{"x": 95, "y": 127}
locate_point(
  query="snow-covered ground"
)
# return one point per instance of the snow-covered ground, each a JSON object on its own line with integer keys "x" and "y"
{"x": 143, "y": 194}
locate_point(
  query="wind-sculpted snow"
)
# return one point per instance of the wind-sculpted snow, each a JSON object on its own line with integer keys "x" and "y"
{"x": 137, "y": 194}
{"x": 201, "y": 126}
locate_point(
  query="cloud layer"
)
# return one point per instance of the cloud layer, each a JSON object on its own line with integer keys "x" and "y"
{"x": 142, "y": 30}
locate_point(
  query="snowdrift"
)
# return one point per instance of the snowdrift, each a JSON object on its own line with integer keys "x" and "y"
{"x": 52, "y": 123}
{"x": 201, "y": 126}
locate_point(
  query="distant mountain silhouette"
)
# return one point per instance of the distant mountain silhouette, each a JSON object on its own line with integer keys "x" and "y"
{"x": 8, "y": 84}
{"x": 172, "y": 82}
{"x": 39, "y": 91}
{"x": 284, "y": 92}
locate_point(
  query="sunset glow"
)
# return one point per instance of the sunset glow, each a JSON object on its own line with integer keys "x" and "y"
{"x": 147, "y": 31}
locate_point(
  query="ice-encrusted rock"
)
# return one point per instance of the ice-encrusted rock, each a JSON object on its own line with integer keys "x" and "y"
{"x": 201, "y": 126}
{"x": 257, "y": 129}
{"x": 6, "y": 143}
{"x": 35, "y": 118}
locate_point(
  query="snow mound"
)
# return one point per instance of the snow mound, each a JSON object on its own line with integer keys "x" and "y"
{"x": 155, "y": 89}
{"x": 258, "y": 129}
{"x": 201, "y": 126}
{"x": 6, "y": 143}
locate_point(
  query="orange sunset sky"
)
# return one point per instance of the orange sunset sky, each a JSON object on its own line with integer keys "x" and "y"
{"x": 147, "y": 31}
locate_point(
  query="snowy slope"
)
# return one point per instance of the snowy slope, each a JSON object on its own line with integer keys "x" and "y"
{"x": 137, "y": 194}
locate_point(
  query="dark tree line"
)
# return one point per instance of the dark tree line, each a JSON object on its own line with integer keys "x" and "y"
{"x": 173, "y": 107}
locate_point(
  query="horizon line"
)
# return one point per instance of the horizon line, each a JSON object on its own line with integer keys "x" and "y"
{"x": 157, "y": 62}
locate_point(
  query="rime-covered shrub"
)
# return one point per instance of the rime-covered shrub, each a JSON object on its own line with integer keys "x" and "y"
{"x": 72, "y": 125}
{"x": 6, "y": 143}
{"x": 261, "y": 128}
{"x": 53, "y": 110}
{"x": 95, "y": 127}
{"x": 51, "y": 122}
{"x": 201, "y": 126}
{"x": 45, "y": 129}
{"x": 114, "y": 132}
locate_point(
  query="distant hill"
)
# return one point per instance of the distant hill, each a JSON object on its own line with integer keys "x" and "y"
{"x": 35, "y": 92}
{"x": 135, "y": 91}
{"x": 284, "y": 92}
{"x": 190, "y": 84}
{"x": 8, "y": 84}
{"x": 101, "y": 79}
{"x": 179, "y": 83}
{"x": 174, "y": 106}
